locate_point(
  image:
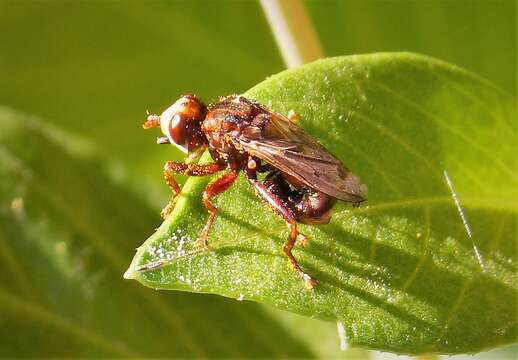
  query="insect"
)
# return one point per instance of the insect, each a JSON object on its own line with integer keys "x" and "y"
{"x": 303, "y": 180}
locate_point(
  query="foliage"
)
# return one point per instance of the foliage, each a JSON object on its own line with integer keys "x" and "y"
{"x": 66, "y": 230}
{"x": 401, "y": 272}
{"x": 92, "y": 69}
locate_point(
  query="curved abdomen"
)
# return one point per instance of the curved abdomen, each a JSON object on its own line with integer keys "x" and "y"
{"x": 309, "y": 206}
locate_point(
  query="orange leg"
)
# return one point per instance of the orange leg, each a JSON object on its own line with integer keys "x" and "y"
{"x": 214, "y": 188}
{"x": 172, "y": 167}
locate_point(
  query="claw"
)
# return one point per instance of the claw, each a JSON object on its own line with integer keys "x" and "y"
{"x": 303, "y": 240}
{"x": 308, "y": 281}
{"x": 202, "y": 243}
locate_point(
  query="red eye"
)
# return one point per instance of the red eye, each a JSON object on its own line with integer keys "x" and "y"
{"x": 177, "y": 129}
{"x": 181, "y": 123}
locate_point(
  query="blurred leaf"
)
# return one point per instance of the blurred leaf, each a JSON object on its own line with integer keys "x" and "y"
{"x": 66, "y": 230}
{"x": 477, "y": 35}
{"x": 94, "y": 67}
{"x": 401, "y": 271}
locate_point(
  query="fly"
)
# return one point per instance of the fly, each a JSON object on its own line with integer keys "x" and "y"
{"x": 303, "y": 180}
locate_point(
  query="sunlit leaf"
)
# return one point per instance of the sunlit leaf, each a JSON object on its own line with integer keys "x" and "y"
{"x": 66, "y": 230}
{"x": 402, "y": 271}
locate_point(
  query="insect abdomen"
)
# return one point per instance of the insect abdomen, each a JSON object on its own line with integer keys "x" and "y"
{"x": 309, "y": 206}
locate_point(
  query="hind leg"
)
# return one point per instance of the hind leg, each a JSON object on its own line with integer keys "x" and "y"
{"x": 269, "y": 196}
{"x": 277, "y": 184}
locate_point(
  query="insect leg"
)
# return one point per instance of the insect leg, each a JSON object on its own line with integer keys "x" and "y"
{"x": 151, "y": 121}
{"x": 172, "y": 167}
{"x": 214, "y": 188}
{"x": 277, "y": 184}
{"x": 269, "y": 197}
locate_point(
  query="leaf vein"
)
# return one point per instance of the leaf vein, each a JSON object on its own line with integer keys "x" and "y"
{"x": 459, "y": 133}
{"x": 422, "y": 259}
{"x": 456, "y": 306}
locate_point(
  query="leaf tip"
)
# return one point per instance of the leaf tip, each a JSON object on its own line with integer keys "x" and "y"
{"x": 129, "y": 274}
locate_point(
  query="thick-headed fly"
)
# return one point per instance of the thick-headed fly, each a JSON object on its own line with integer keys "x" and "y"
{"x": 303, "y": 179}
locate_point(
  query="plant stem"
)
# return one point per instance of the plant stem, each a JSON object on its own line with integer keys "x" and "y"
{"x": 293, "y": 31}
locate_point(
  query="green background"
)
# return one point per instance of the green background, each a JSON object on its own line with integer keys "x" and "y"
{"x": 92, "y": 68}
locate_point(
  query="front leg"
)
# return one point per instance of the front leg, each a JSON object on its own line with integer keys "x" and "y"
{"x": 172, "y": 167}
{"x": 214, "y": 188}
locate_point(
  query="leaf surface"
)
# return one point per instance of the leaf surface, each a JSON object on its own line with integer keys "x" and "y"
{"x": 66, "y": 228}
{"x": 427, "y": 264}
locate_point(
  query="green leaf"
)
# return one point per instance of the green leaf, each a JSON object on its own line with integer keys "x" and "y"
{"x": 478, "y": 35}
{"x": 66, "y": 228}
{"x": 401, "y": 272}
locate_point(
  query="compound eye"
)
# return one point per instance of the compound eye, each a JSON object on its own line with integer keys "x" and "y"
{"x": 181, "y": 122}
{"x": 178, "y": 129}
{"x": 173, "y": 125}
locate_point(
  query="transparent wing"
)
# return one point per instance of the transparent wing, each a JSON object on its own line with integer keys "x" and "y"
{"x": 287, "y": 147}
